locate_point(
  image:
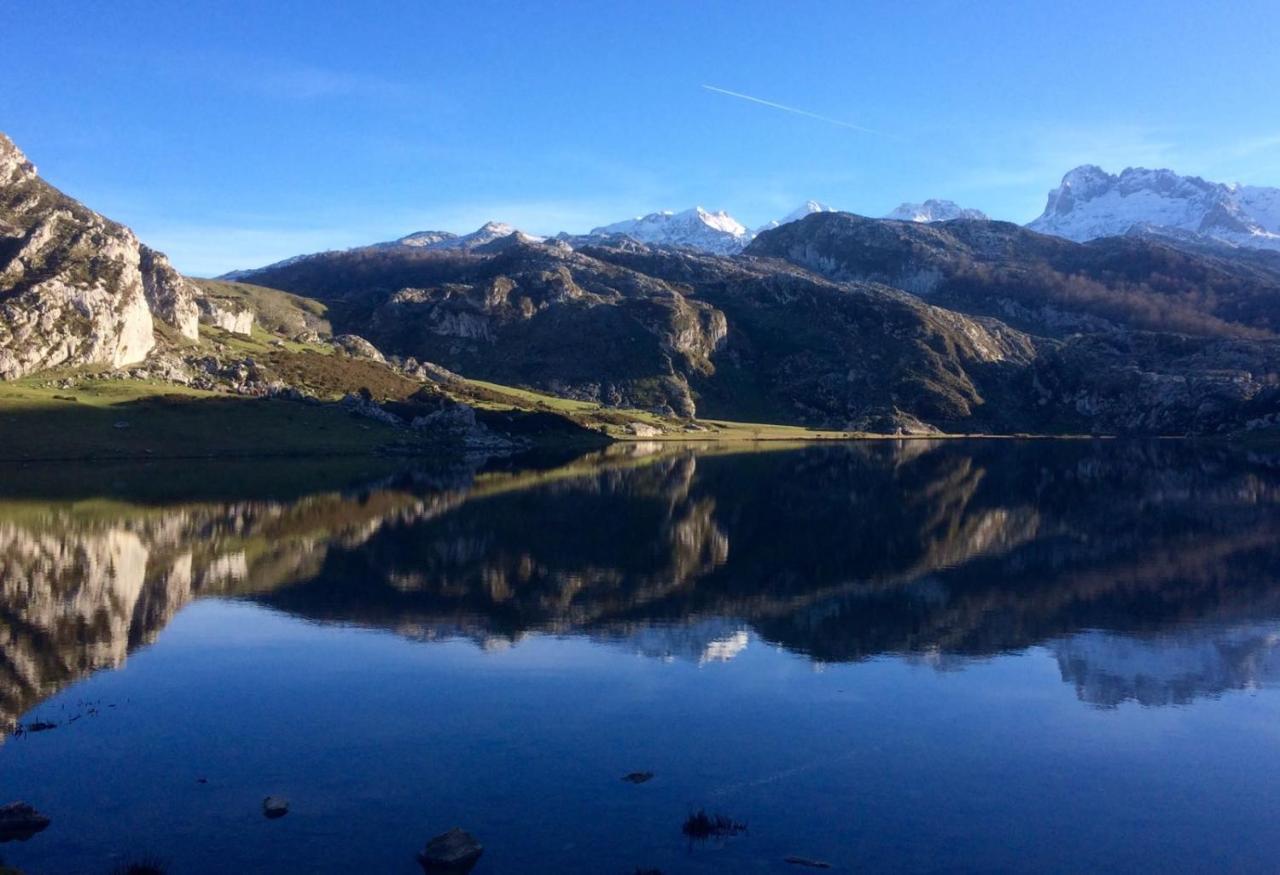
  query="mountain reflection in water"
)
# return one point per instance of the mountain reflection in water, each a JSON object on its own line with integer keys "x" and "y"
{"x": 1148, "y": 570}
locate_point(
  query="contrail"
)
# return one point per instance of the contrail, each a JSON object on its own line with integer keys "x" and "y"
{"x": 804, "y": 112}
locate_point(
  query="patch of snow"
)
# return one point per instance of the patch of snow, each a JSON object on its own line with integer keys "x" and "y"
{"x": 934, "y": 210}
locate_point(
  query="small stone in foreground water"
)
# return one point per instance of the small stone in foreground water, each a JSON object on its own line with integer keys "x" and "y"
{"x": 274, "y": 807}
{"x": 19, "y": 822}
{"x": 455, "y": 851}
{"x": 638, "y": 777}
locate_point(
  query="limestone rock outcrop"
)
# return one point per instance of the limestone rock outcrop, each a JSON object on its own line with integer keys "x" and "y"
{"x": 75, "y": 287}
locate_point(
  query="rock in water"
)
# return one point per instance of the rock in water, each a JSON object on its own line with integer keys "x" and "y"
{"x": 274, "y": 807}
{"x": 453, "y": 851}
{"x": 19, "y": 822}
{"x": 638, "y": 777}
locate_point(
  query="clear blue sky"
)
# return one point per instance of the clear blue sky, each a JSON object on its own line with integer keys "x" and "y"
{"x": 231, "y": 134}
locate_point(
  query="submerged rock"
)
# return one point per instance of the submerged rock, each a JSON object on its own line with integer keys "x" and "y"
{"x": 701, "y": 825}
{"x": 454, "y": 851}
{"x": 274, "y": 807}
{"x": 638, "y": 777}
{"x": 19, "y": 822}
{"x": 807, "y": 863}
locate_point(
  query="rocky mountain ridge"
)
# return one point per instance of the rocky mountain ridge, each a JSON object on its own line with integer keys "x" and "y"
{"x": 830, "y": 320}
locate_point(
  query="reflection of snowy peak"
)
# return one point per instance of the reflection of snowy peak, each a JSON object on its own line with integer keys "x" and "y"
{"x": 711, "y": 640}
{"x": 934, "y": 211}
{"x": 1092, "y": 203}
{"x": 1108, "y": 669}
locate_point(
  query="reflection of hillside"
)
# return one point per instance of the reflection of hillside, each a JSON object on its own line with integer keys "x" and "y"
{"x": 839, "y": 553}
{"x": 79, "y": 589}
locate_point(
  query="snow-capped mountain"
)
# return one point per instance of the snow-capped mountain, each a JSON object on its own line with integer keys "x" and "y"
{"x": 934, "y": 210}
{"x": 696, "y": 228}
{"x": 1092, "y": 203}
{"x": 805, "y": 209}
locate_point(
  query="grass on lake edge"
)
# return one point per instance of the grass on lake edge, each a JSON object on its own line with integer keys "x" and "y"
{"x": 127, "y": 418}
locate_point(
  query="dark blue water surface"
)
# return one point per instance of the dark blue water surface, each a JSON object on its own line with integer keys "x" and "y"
{"x": 907, "y": 657}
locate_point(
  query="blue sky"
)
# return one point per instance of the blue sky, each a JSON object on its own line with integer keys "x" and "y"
{"x": 232, "y": 134}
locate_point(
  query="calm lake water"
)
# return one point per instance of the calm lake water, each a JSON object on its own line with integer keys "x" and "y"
{"x": 909, "y": 657}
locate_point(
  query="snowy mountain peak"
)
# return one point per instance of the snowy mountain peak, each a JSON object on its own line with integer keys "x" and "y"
{"x": 934, "y": 210}
{"x": 805, "y": 209}
{"x": 1092, "y": 203}
{"x": 696, "y": 228}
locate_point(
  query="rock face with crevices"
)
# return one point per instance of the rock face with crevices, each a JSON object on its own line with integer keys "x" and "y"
{"x": 75, "y": 287}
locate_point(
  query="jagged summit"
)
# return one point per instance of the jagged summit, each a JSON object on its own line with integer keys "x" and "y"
{"x": 934, "y": 210}
{"x": 1092, "y": 203}
{"x": 14, "y": 165}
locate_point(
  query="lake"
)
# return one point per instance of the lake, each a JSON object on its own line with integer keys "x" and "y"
{"x": 908, "y": 656}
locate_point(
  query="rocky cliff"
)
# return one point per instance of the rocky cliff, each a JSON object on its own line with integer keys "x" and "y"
{"x": 75, "y": 287}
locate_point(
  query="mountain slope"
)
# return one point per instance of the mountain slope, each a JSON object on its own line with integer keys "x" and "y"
{"x": 1092, "y": 203}
{"x": 1131, "y": 334}
{"x": 1043, "y": 284}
